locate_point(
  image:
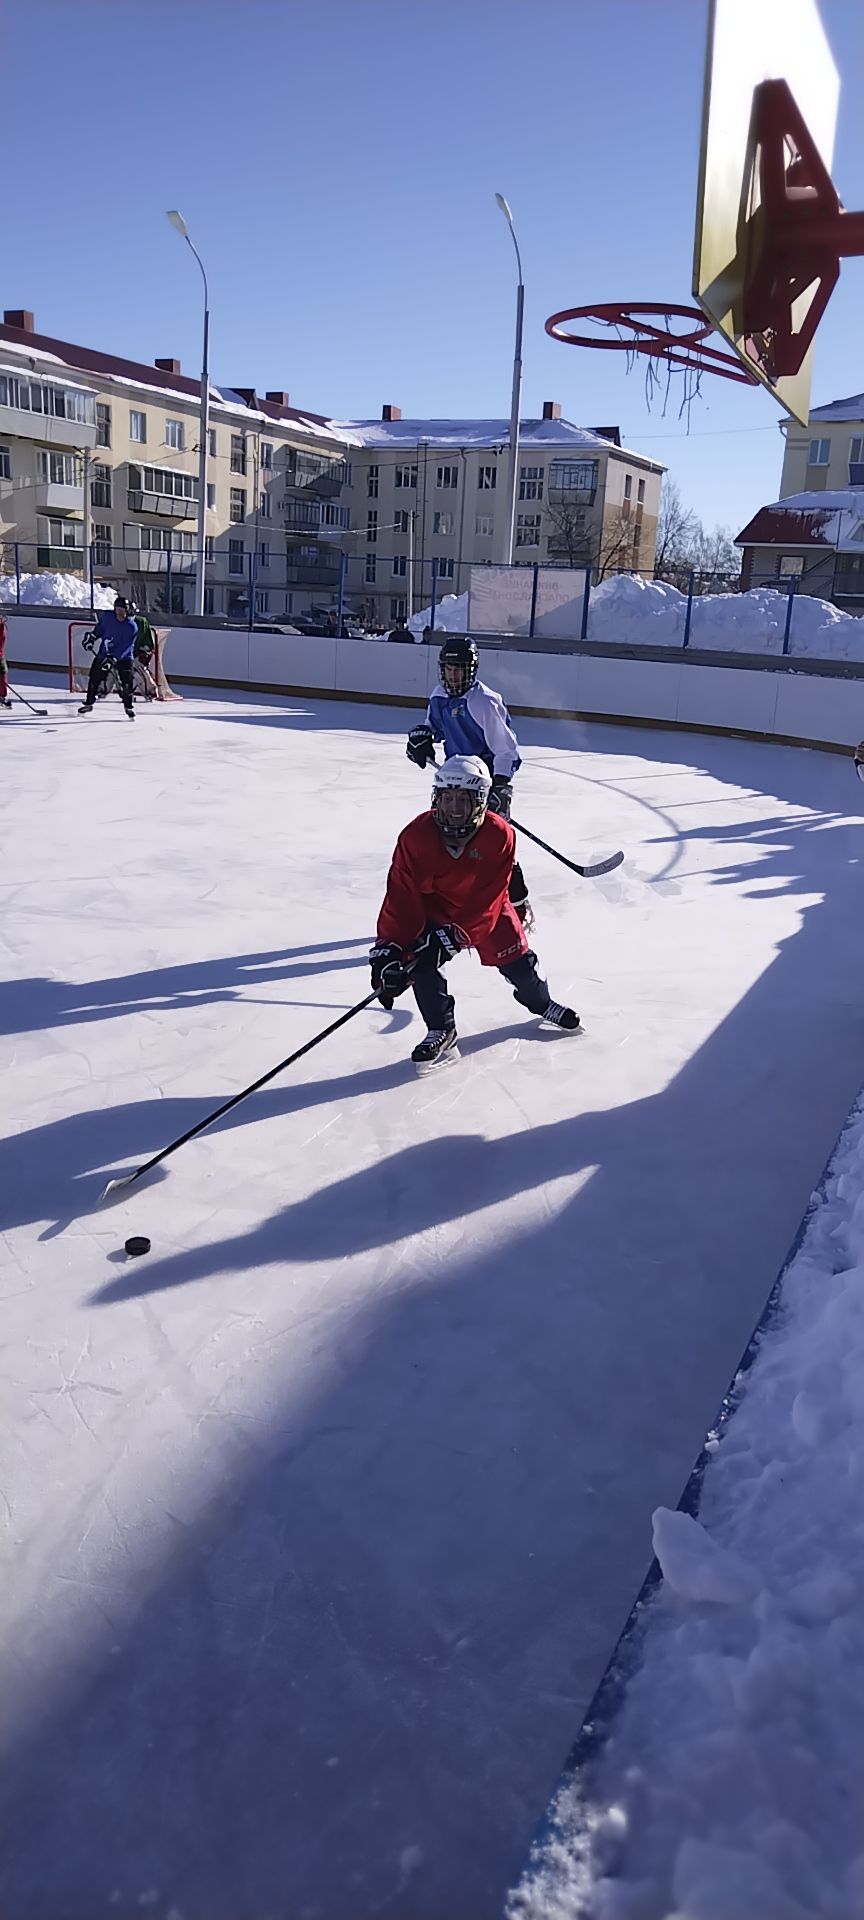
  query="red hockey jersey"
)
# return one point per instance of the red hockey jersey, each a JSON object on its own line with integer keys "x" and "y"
{"x": 426, "y": 886}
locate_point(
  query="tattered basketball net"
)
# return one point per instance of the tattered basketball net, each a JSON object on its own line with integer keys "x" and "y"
{"x": 634, "y": 328}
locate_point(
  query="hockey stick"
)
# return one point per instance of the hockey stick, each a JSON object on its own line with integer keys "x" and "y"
{"x": 40, "y": 712}
{"x": 590, "y": 872}
{"x": 127, "y": 1179}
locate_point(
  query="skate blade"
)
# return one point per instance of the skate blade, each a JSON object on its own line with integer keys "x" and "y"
{"x": 423, "y": 1068}
{"x": 567, "y": 1033}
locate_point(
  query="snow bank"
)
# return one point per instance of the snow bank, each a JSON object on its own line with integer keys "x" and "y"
{"x": 627, "y": 611}
{"x": 730, "y": 1785}
{"x": 54, "y": 590}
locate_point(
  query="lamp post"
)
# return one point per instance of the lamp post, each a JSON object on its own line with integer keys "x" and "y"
{"x": 178, "y": 222}
{"x": 510, "y": 515}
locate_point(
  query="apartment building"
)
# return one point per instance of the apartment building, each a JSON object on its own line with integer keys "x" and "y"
{"x": 435, "y": 491}
{"x": 99, "y": 468}
{"x": 815, "y": 530}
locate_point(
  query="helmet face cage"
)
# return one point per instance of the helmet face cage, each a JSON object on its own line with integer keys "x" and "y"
{"x": 458, "y": 662}
{"x": 459, "y": 800}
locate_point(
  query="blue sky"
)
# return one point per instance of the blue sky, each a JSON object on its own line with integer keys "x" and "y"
{"x": 337, "y": 165}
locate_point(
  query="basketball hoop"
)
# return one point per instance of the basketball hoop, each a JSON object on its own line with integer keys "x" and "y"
{"x": 634, "y": 328}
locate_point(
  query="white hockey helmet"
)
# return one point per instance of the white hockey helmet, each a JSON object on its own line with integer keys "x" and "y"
{"x": 460, "y": 795}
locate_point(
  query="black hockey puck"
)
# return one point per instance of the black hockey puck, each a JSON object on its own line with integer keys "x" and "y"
{"x": 137, "y": 1243}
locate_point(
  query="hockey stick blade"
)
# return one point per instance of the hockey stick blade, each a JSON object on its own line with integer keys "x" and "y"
{"x": 40, "y": 712}
{"x": 121, "y": 1180}
{"x": 602, "y": 866}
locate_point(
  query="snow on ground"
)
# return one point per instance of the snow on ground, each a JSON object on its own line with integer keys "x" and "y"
{"x": 627, "y": 611}
{"x": 327, "y": 1513}
{"x": 53, "y": 590}
{"x": 730, "y": 1784}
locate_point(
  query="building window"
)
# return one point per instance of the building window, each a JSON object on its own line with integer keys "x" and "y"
{"x": 332, "y": 515}
{"x": 371, "y": 525}
{"x": 487, "y": 479}
{"x": 209, "y": 549}
{"x": 235, "y": 556}
{"x": 445, "y": 568}
{"x": 400, "y": 566}
{"x": 443, "y": 522}
{"x": 401, "y": 520}
{"x": 38, "y": 396}
{"x": 209, "y": 601}
{"x": 572, "y": 476}
{"x": 51, "y": 534}
{"x": 820, "y": 453}
{"x": 406, "y": 476}
{"x": 5, "y": 464}
{"x": 238, "y": 453}
{"x": 371, "y": 563}
{"x": 211, "y": 435}
{"x": 237, "y": 506}
{"x": 162, "y": 480}
{"x": 856, "y": 461}
{"x": 262, "y": 600}
{"x": 138, "y": 426}
{"x": 637, "y": 537}
{"x": 101, "y": 546}
{"x": 447, "y": 476}
{"x": 528, "y": 529}
{"x": 60, "y": 470}
{"x": 483, "y": 526}
{"x": 372, "y": 484}
{"x": 264, "y": 554}
{"x": 211, "y": 496}
{"x": 100, "y": 484}
{"x": 266, "y": 506}
{"x": 530, "y": 483}
{"x": 640, "y": 491}
{"x": 398, "y": 608}
{"x": 103, "y": 425}
{"x": 160, "y": 540}
{"x": 266, "y": 455}
{"x": 175, "y": 435}
{"x": 628, "y": 486}
{"x": 790, "y": 564}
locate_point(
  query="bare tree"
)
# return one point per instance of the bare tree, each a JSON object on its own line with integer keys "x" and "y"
{"x": 716, "y": 561}
{"x": 614, "y": 547}
{"x": 678, "y": 533}
{"x": 575, "y": 540}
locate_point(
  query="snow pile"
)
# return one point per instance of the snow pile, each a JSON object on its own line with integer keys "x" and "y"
{"x": 54, "y": 590}
{"x": 730, "y": 1784}
{"x": 451, "y": 616}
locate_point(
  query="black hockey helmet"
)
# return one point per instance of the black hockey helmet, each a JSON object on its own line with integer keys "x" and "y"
{"x": 458, "y": 662}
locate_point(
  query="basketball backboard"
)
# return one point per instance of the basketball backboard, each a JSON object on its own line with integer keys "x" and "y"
{"x": 751, "y": 41}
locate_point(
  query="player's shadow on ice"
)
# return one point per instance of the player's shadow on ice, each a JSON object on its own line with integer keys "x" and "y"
{"x": 28, "y": 1006}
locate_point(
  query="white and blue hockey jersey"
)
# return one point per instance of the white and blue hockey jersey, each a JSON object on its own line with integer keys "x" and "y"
{"x": 475, "y": 722}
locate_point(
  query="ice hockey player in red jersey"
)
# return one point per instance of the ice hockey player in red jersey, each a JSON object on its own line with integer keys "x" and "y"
{"x": 448, "y": 889}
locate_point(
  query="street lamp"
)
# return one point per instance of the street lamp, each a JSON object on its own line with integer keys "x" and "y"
{"x": 510, "y": 516}
{"x": 179, "y": 224}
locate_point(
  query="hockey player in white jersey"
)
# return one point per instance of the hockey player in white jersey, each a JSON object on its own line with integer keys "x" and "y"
{"x": 471, "y": 718}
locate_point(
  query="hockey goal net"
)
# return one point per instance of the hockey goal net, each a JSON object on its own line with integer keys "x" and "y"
{"x": 149, "y": 677}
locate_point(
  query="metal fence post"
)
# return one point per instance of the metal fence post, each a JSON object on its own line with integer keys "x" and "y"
{"x": 17, "y": 575}
{"x": 583, "y": 630}
{"x": 793, "y": 582}
{"x": 434, "y": 594}
{"x": 169, "y": 596}
{"x": 251, "y": 613}
{"x": 689, "y": 610}
{"x": 90, "y": 569}
{"x": 536, "y": 572}
{"x": 340, "y": 604}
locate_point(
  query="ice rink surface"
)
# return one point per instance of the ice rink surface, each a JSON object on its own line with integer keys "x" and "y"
{"x": 325, "y": 1515}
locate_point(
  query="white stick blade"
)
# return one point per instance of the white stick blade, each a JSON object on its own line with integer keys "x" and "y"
{"x": 122, "y": 1180}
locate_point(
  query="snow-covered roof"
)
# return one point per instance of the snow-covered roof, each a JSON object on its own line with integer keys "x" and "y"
{"x": 560, "y": 435}
{"x": 851, "y": 408}
{"x": 810, "y": 520}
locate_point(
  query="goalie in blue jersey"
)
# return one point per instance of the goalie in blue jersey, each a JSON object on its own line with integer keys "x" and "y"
{"x": 471, "y": 718}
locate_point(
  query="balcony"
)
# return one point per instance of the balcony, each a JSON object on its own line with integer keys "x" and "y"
{"x": 306, "y": 574}
{"x": 301, "y": 516}
{"x": 155, "y": 561}
{"x": 313, "y": 474}
{"x": 165, "y": 505}
{"x": 60, "y": 559}
{"x": 56, "y": 497}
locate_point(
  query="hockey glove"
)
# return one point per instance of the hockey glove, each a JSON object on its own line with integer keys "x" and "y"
{"x": 391, "y": 972}
{"x": 89, "y": 642}
{"x": 500, "y": 796}
{"x": 438, "y": 945}
{"x": 420, "y": 746}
